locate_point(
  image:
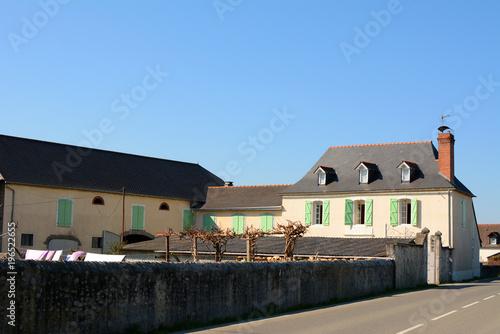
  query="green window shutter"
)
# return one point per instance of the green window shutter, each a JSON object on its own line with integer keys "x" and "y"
{"x": 187, "y": 219}
{"x": 307, "y": 221}
{"x": 238, "y": 224}
{"x": 208, "y": 222}
{"x": 326, "y": 213}
{"x": 369, "y": 212}
{"x": 348, "y": 212}
{"x": 464, "y": 215}
{"x": 266, "y": 222}
{"x": 137, "y": 217}
{"x": 64, "y": 212}
{"x": 394, "y": 212}
{"x": 414, "y": 211}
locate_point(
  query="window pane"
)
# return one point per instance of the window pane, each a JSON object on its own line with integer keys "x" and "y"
{"x": 318, "y": 213}
{"x": 403, "y": 218}
{"x": 26, "y": 239}
{"x": 363, "y": 176}
{"x": 406, "y": 174}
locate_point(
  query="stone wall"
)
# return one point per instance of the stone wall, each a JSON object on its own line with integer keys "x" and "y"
{"x": 445, "y": 265}
{"x": 85, "y": 297}
{"x": 410, "y": 264}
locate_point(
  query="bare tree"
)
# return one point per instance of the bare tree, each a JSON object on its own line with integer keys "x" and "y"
{"x": 194, "y": 234}
{"x": 250, "y": 235}
{"x": 218, "y": 238}
{"x": 292, "y": 232}
{"x": 169, "y": 232}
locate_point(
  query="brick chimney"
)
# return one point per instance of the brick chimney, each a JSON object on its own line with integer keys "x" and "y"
{"x": 446, "y": 155}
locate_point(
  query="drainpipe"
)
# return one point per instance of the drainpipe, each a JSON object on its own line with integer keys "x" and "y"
{"x": 13, "y": 197}
{"x": 450, "y": 227}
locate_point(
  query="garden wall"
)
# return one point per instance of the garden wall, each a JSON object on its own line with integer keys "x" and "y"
{"x": 86, "y": 297}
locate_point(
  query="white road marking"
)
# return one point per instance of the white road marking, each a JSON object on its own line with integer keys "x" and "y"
{"x": 489, "y": 297}
{"x": 410, "y": 329}
{"x": 444, "y": 315}
{"x": 470, "y": 304}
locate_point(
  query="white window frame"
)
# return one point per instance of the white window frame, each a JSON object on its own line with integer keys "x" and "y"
{"x": 317, "y": 218}
{"x": 321, "y": 178}
{"x": 403, "y": 207}
{"x": 357, "y": 213}
{"x": 363, "y": 174}
{"x": 493, "y": 241}
{"x": 405, "y": 174}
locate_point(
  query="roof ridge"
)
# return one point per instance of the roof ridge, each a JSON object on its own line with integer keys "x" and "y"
{"x": 383, "y": 144}
{"x": 257, "y": 186}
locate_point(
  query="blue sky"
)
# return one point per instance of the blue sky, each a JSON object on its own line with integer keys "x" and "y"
{"x": 256, "y": 91}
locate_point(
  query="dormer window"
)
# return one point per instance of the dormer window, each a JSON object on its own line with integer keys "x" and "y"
{"x": 405, "y": 174}
{"x": 493, "y": 241}
{"x": 409, "y": 171}
{"x": 367, "y": 172}
{"x": 321, "y": 178}
{"x": 325, "y": 175}
{"x": 363, "y": 175}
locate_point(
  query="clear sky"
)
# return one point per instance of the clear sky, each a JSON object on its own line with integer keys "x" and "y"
{"x": 256, "y": 91}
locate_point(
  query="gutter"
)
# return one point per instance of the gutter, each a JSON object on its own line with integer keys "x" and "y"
{"x": 369, "y": 191}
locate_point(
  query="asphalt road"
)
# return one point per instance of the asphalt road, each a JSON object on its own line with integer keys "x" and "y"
{"x": 472, "y": 307}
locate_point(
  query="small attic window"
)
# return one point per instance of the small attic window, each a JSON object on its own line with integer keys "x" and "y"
{"x": 164, "y": 207}
{"x": 363, "y": 175}
{"x": 409, "y": 171}
{"x": 493, "y": 240}
{"x": 405, "y": 174}
{"x": 326, "y": 175}
{"x": 98, "y": 200}
{"x": 321, "y": 178}
{"x": 367, "y": 171}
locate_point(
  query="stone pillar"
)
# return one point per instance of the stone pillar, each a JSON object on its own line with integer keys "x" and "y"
{"x": 437, "y": 237}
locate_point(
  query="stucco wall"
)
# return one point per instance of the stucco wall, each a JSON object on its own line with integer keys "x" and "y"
{"x": 36, "y": 212}
{"x": 224, "y": 219}
{"x": 80, "y": 297}
{"x": 432, "y": 213}
{"x": 466, "y": 244}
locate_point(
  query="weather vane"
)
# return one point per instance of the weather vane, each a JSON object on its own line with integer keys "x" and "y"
{"x": 443, "y": 127}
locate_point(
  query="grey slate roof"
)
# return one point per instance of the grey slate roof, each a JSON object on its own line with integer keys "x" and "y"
{"x": 387, "y": 157}
{"x": 244, "y": 197}
{"x": 33, "y": 162}
{"x": 268, "y": 246}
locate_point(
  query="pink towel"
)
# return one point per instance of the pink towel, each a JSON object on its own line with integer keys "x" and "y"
{"x": 75, "y": 256}
{"x": 49, "y": 255}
